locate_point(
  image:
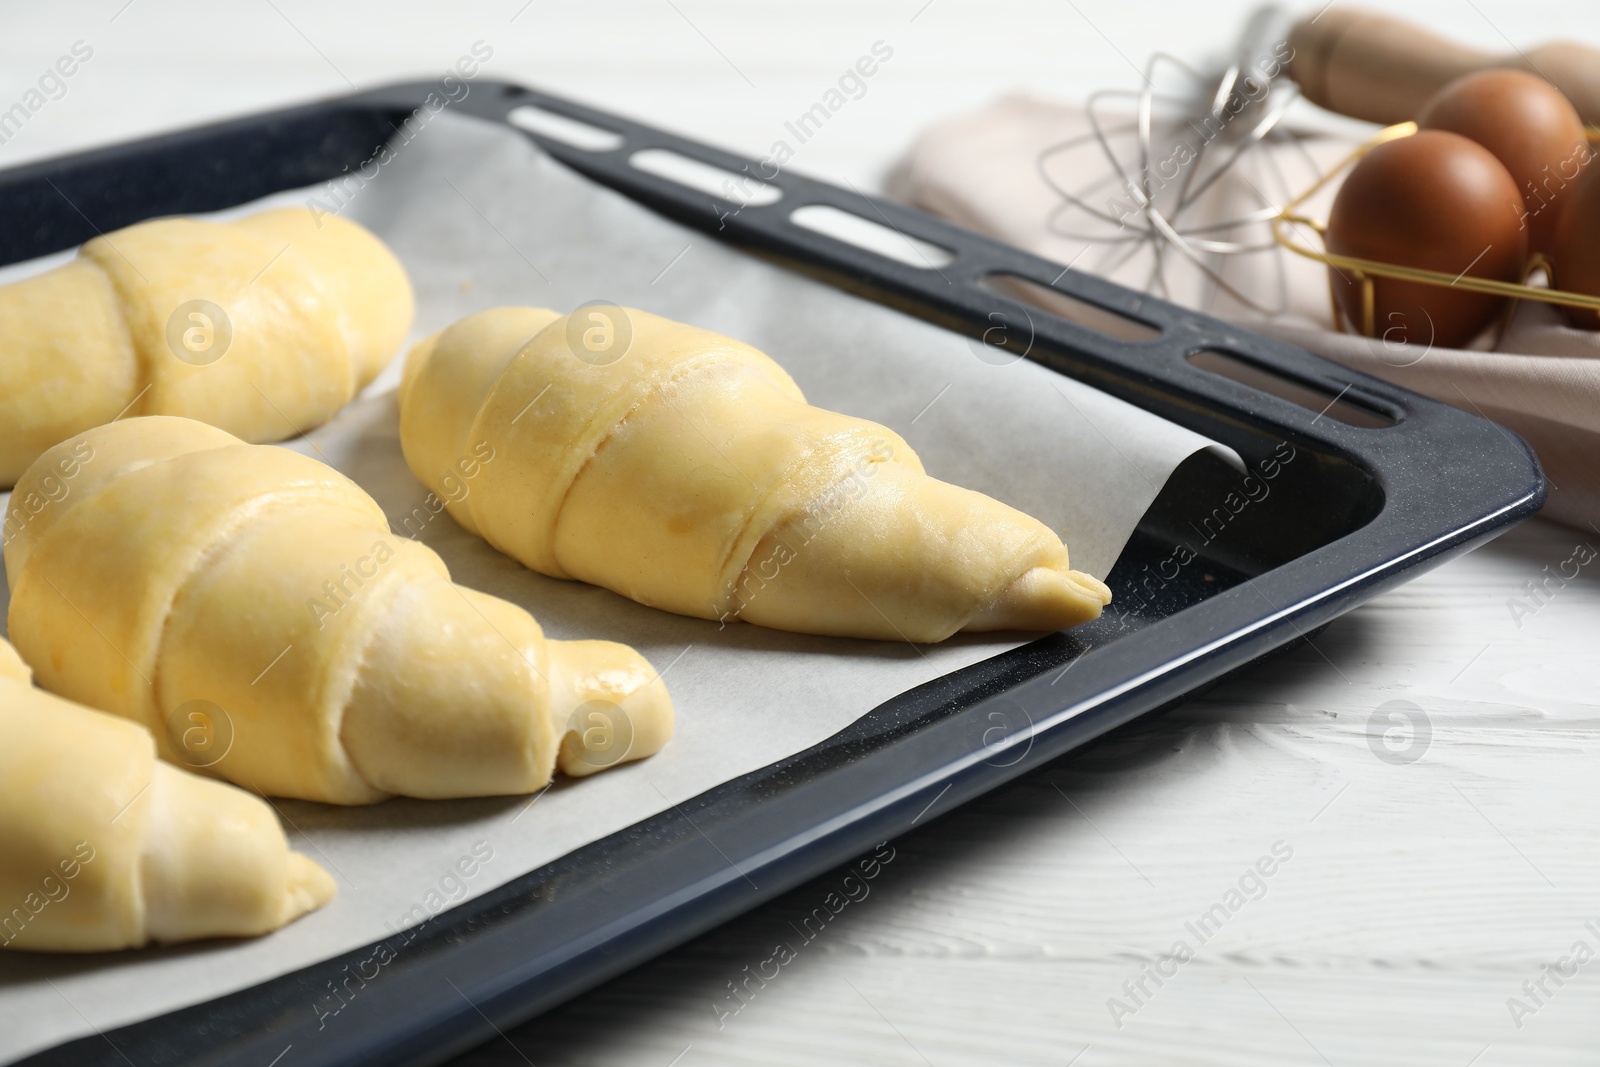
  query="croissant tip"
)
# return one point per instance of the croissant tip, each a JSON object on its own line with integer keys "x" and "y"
{"x": 613, "y": 705}
{"x": 1043, "y": 598}
{"x": 415, "y": 358}
{"x": 308, "y": 887}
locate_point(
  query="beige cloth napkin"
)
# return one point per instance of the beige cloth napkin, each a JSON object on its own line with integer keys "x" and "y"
{"x": 1001, "y": 171}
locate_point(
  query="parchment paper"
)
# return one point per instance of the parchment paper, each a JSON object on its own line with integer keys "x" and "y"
{"x": 482, "y": 218}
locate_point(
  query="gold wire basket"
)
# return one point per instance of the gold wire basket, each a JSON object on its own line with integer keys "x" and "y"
{"x": 1287, "y": 223}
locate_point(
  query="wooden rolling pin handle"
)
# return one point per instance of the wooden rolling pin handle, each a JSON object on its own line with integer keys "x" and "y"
{"x": 1574, "y": 69}
{"x": 1377, "y": 67}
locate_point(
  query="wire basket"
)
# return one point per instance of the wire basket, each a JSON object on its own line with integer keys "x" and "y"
{"x": 1288, "y": 223}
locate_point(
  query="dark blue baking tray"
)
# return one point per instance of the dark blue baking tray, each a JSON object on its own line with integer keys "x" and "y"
{"x": 1381, "y": 484}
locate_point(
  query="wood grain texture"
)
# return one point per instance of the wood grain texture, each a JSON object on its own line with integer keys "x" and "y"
{"x": 1420, "y": 896}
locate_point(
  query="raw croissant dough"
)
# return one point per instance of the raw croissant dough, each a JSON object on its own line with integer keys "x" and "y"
{"x": 688, "y": 473}
{"x": 311, "y": 310}
{"x": 180, "y": 564}
{"x": 104, "y": 847}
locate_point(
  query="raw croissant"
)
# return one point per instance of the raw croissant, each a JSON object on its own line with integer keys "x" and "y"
{"x": 104, "y": 847}
{"x": 176, "y": 564}
{"x": 264, "y": 327}
{"x": 685, "y": 470}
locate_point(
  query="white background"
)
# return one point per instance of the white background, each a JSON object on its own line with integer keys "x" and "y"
{"x": 1420, "y": 897}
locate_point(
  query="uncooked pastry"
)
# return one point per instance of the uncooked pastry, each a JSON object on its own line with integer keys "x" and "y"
{"x": 182, "y": 569}
{"x": 265, "y": 327}
{"x": 685, "y": 470}
{"x": 102, "y": 846}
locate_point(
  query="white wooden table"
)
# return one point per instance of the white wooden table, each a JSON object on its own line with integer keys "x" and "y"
{"x": 1417, "y": 889}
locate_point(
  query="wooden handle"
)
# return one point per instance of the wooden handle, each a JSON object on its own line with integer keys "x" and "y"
{"x": 1373, "y": 66}
{"x": 1574, "y": 69}
{"x": 1377, "y": 67}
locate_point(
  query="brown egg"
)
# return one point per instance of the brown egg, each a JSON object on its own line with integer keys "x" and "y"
{"x": 1575, "y": 258}
{"x": 1529, "y": 126}
{"x": 1437, "y": 201}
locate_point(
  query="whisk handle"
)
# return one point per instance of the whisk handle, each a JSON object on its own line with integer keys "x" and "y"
{"x": 1373, "y": 66}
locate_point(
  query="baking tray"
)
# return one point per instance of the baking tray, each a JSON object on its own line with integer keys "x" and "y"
{"x": 1385, "y": 483}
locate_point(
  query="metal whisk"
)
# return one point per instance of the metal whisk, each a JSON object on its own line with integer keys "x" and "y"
{"x": 1183, "y": 182}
